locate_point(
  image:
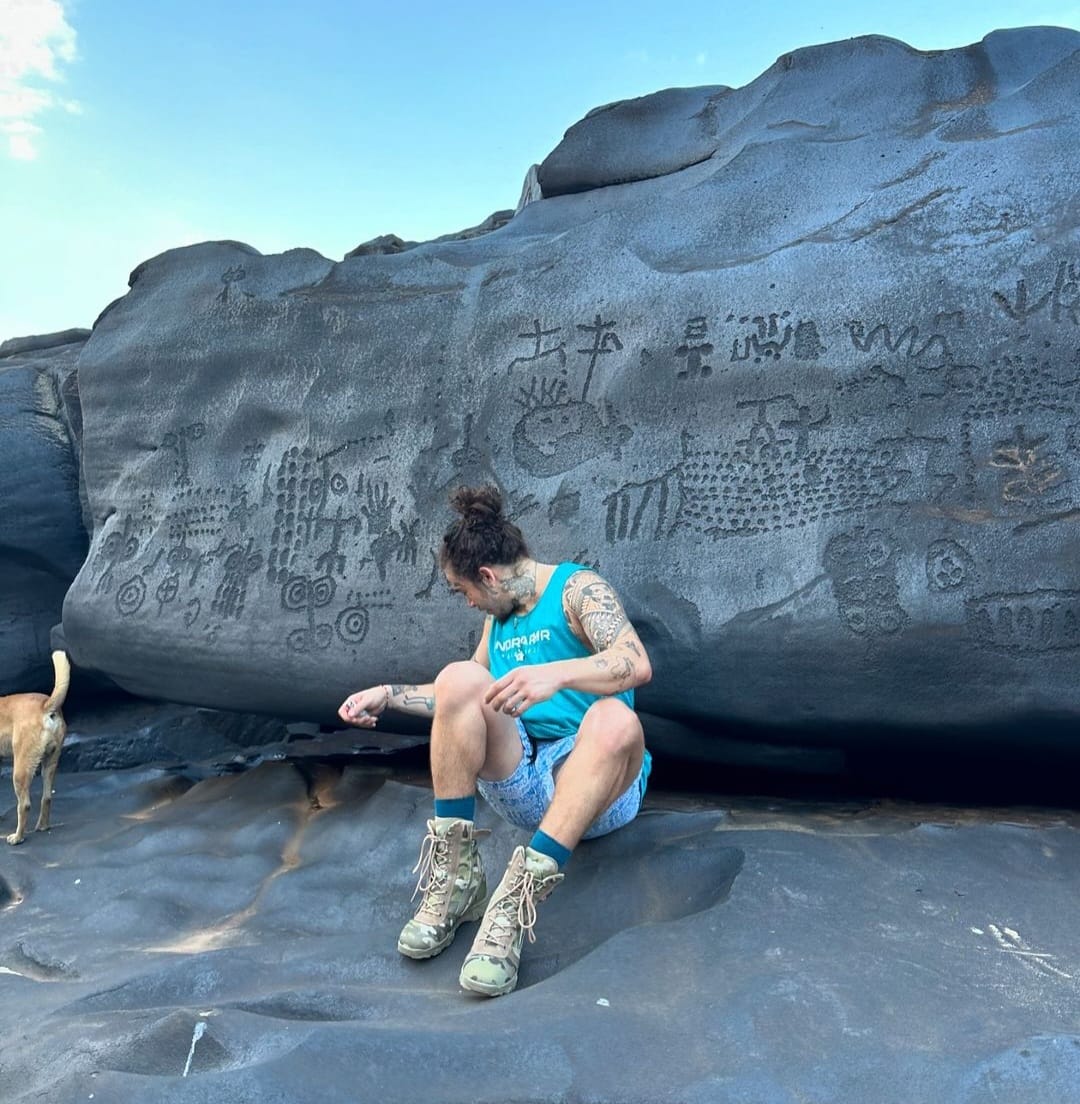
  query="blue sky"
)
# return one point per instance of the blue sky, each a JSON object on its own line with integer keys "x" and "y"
{"x": 128, "y": 127}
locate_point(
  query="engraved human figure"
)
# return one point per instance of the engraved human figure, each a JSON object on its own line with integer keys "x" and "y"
{"x": 694, "y": 350}
{"x": 605, "y": 340}
{"x": 540, "y": 720}
{"x": 537, "y": 335}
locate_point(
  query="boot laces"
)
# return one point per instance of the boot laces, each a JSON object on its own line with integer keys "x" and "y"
{"x": 516, "y": 908}
{"x": 433, "y": 866}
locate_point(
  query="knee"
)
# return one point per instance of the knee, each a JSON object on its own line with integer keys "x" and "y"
{"x": 460, "y": 683}
{"x": 612, "y": 729}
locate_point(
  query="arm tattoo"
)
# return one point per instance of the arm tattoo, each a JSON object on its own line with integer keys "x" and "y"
{"x": 409, "y": 696}
{"x": 597, "y": 609}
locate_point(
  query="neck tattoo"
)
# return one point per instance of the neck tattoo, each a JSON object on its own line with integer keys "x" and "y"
{"x": 520, "y": 585}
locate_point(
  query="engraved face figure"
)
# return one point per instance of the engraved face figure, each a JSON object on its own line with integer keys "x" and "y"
{"x": 554, "y": 438}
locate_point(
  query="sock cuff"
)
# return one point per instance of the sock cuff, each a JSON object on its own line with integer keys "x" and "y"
{"x": 543, "y": 843}
{"x": 459, "y": 808}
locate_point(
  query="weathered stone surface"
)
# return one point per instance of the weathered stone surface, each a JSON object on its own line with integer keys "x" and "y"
{"x": 184, "y": 937}
{"x": 812, "y": 403}
{"x": 42, "y": 538}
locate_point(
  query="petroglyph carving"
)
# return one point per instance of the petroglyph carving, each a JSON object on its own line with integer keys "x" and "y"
{"x": 557, "y": 433}
{"x": 729, "y": 492}
{"x": 241, "y": 563}
{"x": 197, "y": 514}
{"x": 565, "y": 506}
{"x": 352, "y": 624}
{"x": 308, "y": 595}
{"x": 538, "y": 335}
{"x": 130, "y": 596}
{"x": 628, "y": 509}
{"x": 605, "y": 340}
{"x": 907, "y": 343}
{"x": 861, "y": 565}
{"x": 178, "y": 443}
{"x": 1063, "y": 297}
{"x": 252, "y": 456}
{"x": 768, "y": 340}
{"x": 295, "y": 511}
{"x": 948, "y": 565}
{"x": 167, "y": 591}
{"x": 808, "y": 345}
{"x": 1028, "y": 623}
{"x": 118, "y": 547}
{"x": 1032, "y": 469}
{"x": 694, "y": 350}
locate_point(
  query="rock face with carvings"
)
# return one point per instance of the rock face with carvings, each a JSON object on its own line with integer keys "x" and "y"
{"x": 795, "y": 365}
{"x": 42, "y": 538}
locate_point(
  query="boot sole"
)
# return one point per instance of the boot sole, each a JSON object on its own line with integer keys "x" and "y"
{"x": 487, "y": 990}
{"x": 419, "y": 954}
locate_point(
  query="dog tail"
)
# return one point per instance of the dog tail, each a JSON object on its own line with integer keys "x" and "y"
{"x": 63, "y": 679}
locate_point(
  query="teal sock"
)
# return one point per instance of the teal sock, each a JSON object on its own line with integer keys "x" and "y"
{"x": 463, "y": 808}
{"x": 543, "y": 843}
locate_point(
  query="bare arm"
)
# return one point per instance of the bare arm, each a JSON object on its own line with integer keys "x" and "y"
{"x": 596, "y": 616}
{"x": 364, "y": 707}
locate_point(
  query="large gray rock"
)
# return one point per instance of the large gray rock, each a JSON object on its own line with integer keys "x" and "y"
{"x": 42, "y": 538}
{"x": 807, "y": 391}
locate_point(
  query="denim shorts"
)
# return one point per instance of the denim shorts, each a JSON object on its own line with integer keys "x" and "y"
{"x": 524, "y": 797}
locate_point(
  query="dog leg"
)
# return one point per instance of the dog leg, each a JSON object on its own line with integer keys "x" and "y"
{"x": 21, "y": 779}
{"x": 48, "y": 773}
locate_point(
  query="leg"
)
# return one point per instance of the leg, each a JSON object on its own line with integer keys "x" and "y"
{"x": 48, "y": 776}
{"x": 21, "y": 776}
{"x": 468, "y": 738}
{"x": 605, "y": 762}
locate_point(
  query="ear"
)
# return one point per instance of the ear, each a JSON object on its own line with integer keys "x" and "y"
{"x": 486, "y": 577}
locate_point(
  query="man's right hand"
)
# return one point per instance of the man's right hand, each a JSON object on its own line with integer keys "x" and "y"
{"x": 363, "y": 707}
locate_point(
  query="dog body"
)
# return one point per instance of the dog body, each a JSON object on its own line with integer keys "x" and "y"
{"x": 32, "y": 731}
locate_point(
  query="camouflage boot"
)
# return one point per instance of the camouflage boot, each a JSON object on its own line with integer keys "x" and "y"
{"x": 453, "y": 886}
{"x": 492, "y": 965}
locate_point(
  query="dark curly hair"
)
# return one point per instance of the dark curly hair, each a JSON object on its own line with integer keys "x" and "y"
{"x": 481, "y": 535}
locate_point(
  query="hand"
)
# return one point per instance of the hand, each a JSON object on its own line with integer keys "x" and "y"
{"x": 521, "y": 688}
{"x": 363, "y": 707}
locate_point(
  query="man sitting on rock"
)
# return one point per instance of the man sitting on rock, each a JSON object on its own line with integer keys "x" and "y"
{"x": 540, "y": 721}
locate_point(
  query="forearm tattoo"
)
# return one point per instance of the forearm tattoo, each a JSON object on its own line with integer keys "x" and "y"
{"x": 409, "y": 697}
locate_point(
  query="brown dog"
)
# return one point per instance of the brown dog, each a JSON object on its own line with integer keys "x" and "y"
{"x": 32, "y": 730}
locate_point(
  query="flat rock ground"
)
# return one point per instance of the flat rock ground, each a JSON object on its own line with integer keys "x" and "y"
{"x": 224, "y": 932}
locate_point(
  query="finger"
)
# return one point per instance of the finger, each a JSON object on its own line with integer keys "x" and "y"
{"x": 495, "y": 689}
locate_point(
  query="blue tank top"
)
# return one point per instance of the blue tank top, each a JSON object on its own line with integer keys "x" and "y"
{"x": 542, "y": 636}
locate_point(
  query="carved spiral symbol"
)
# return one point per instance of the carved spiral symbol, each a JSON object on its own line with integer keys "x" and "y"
{"x": 295, "y": 594}
{"x": 322, "y": 590}
{"x": 352, "y": 624}
{"x": 338, "y": 483}
{"x": 130, "y": 597}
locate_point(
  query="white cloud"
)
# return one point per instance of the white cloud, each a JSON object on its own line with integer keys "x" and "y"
{"x": 36, "y": 40}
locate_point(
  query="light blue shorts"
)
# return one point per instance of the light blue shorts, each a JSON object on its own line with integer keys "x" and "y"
{"x": 524, "y": 797}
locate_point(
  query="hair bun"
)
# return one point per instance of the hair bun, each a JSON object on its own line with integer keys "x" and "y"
{"x": 479, "y": 507}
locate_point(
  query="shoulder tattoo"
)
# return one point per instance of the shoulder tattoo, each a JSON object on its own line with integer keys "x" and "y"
{"x": 594, "y": 603}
